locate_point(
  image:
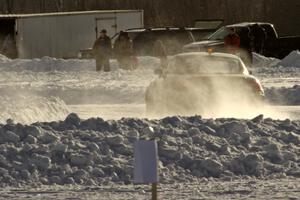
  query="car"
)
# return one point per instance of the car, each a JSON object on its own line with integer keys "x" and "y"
{"x": 173, "y": 38}
{"x": 194, "y": 82}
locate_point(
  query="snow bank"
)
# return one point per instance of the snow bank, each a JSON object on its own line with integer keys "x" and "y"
{"x": 30, "y": 108}
{"x": 291, "y": 60}
{"x": 95, "y": 151}
{"x": 262, "y": 61}
{"x": 283, "y": 95}
{"x": 3, "y": 58}
{"x": 47, "y": 64}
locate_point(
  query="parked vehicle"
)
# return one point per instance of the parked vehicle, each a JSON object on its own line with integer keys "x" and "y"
{"x": 198, "y": 81}
{"x": 173, "y": 38}
{"x": 270, "y": 44}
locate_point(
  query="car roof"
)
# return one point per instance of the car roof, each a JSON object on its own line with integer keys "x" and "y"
{"x": 245, "y": 24}
{"x": 217, "y": 54}
{"x": 165, "y": 29}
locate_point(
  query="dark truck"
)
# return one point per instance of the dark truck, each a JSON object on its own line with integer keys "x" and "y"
{"x": 268, "y": 43}
{"x": 174, "y": 38}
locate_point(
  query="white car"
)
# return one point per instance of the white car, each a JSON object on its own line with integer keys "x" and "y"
{"x": 197, "y": 81}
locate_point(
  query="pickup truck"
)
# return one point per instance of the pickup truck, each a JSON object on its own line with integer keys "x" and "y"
{"x": 270, "y": 44}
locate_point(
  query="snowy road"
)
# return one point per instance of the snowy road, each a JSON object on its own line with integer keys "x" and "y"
{"x": 112, "y": 111}
{"x": 48, "y": 89}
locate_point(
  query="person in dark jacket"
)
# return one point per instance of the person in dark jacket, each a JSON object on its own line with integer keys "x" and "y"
{"x": 232, "y": 41}
{"x": 123, "y": 51}
{"x": 102, "y": 51}
{"x": 259, "y": 37}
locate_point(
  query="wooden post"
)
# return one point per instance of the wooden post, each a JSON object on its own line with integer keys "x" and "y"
{"x": 154, "y": 191}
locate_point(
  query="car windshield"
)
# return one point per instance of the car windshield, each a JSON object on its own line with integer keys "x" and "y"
{"x": 204, "y": 65}
{"x": 201, "y": 35}
{"x": 220, "y": 34}
{"x": 131, "y": 35}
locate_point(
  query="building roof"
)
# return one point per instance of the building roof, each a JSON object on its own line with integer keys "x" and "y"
{"x": 13, "y": 16}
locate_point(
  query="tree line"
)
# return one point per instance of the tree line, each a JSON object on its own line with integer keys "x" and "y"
{"x": 284, "y": 14}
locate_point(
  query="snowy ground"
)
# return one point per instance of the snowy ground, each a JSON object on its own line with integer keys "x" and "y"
{"x": 250, "y": 188}
{"x": 198, "y": 158}
{"x": 75, "y": 86}
{"x": 72, "y": 81}
{"x": 49, "y": 89}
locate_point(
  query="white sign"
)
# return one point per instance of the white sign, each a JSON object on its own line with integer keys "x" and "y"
{"x": 145, "y": 162}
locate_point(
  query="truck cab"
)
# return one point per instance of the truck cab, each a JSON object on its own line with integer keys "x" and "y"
{"x": 269, "y": 45}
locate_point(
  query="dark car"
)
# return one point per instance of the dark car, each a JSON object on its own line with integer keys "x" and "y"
{"x": 172, "y": 38}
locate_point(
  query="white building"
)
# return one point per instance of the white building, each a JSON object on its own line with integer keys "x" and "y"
{"x": 62, "y": 35}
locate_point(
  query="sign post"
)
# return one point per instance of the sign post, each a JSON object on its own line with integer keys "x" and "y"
{"x": 146, "y": 164}
{"x": 154, "y": 191}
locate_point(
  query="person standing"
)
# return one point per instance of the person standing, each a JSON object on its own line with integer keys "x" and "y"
{"x": 102, "y": 51}
{"x": 260, "y": 36}
{"x": 123, "y": 51}
{"x": 232, "y": 41}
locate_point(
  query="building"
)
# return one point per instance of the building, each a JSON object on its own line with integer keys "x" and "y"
{"x": 62, "y": 34}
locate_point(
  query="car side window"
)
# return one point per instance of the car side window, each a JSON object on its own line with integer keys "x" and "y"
{"x": 219, "y": 34}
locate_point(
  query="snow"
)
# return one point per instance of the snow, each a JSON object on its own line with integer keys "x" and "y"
{"x": 291, "y": 60}
{"x": 95, "y": 151}
{"x": 118, "y": 93}
{"x": 262, "y": 61}
{"x": 28, "y": 108}
{"x": 49, "y": 64}
{"x": 196, "y": 155}
{"x": 3, "y": 58}
{"x": 72, "y": 82}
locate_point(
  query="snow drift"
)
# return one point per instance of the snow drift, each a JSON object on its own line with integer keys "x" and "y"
{"x": 47, "y": 64}
{"x": 30, "y": 108}
{"x": 290, "y": 61}
{"x": 94, "y": 151}
{"x": 262, "y": 61}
